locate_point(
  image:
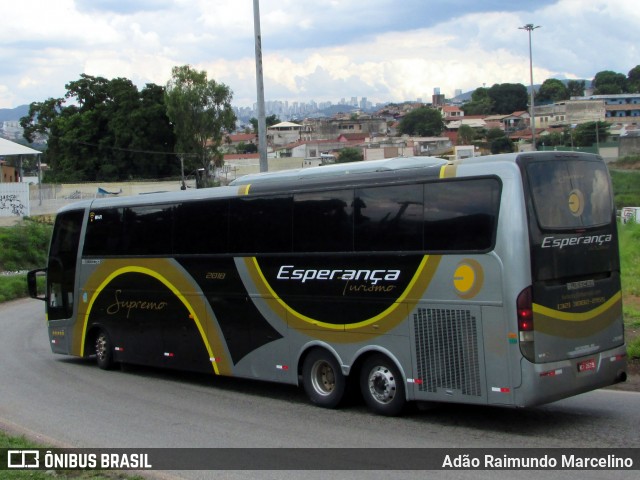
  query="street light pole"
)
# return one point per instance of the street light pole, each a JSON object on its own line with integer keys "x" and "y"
{"x": 262, "y": 122}
{"x": 529, "y": 27}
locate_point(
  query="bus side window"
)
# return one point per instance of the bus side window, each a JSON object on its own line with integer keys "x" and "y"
{"x": 461, "y": 215}
{"x": 323, "y": 221}
{"x": 388, "y": 218}
{"x": 260, "y": 224}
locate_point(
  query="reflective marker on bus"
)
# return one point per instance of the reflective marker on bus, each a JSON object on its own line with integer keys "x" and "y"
{"x": 492, "y": 281}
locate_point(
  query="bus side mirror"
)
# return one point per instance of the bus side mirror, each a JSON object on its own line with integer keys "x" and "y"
{"x": 35, "y": 277}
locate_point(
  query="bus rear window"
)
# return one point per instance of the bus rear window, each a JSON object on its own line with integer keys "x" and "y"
{"x": 570, "y": 194}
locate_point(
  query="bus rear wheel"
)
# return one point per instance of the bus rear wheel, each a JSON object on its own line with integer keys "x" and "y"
{"x": 382, "y": 386}
{"x": 104, "y": 351}
{"x": 323, "y": 380}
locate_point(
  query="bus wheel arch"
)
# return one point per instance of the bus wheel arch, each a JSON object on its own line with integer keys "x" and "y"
{"x": 382, "y": 384}
{"x": 322, "y": 377}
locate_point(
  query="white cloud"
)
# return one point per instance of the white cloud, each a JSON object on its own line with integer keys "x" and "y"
{"x": 325, "y": 50}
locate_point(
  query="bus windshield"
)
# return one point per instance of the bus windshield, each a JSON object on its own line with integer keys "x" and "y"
{"x": 570, "y": 194}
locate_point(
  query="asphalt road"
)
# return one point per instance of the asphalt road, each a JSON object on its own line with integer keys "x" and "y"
{"x": 70, "y": 402}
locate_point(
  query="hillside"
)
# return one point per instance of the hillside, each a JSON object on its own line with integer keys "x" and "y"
{"x": 13, "y": 114}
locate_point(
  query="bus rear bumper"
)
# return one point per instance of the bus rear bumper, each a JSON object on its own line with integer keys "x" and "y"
{"x": 548, "y": 382}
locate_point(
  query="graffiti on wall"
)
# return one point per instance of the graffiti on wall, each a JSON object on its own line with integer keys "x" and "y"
{"x": 14, "y": 200}
{"x": 11, "y": 204}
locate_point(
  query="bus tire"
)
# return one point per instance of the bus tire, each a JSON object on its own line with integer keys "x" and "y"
{"x": 323, "y": 380}
{"x": 104, "y": 351}
{"x": 382, "y": 386}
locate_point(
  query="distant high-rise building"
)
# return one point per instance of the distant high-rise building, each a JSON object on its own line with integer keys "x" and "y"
{"x": 438, "y": 99}
{"x": 458, "y": 92}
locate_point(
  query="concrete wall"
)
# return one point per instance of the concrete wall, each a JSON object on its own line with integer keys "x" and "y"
{"x": 629, "y": 146}
{"x": 46, "y": 199}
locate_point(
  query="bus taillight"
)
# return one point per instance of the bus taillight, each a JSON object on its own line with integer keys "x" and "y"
{"x": 525, "y": 311}
{"x": 524, "y": 306}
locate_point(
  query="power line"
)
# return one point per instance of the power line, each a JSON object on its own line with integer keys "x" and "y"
{"x": 133, "y": 150}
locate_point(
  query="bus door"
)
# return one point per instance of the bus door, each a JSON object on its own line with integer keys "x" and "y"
{"x": 575, "y": 293}
{"x": 61, "y": 267}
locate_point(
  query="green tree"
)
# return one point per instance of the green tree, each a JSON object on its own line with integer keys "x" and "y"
{"x": 497, "y": 141}
{"x": 552, "y": 90}
{"x": 40, "y": 118}
{"x": 110, "y": 131}
{"x": 466, "y": 135}
{"x": 152, "y": 135}
{"x": 201, "y": 113}
{"x": 40, "y": 122}
{"x": 501, "y": 145}
{"x": 350, "y": 154}
{"x": 575, "y": 88}
{"x": 609, "y": 83}
{"x": 423, "y": 121}
{"x": 246, "y": 148}
{"x": 480, "y": 94}
{"x": 633, "y": 79}
{"x": 270, "y": 120}
{"x": 494, "y": 133}
{"x": 508, "y": 98}
{"x": 503, "y": 99}
{"x": 590, "y": 133}
{"x": 480, "y": 104}
{"x": 552, "y": 139}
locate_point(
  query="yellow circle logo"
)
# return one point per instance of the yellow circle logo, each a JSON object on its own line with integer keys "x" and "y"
{"x": 468, "y": 278}
{"x": 576, "y": 203}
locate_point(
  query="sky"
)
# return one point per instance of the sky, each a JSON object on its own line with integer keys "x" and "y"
{"x": 321, "y": 50}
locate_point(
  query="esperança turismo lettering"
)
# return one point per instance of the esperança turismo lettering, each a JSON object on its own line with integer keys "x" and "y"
{"x": 290, "y": 272}
{"x": 553, "y": 242}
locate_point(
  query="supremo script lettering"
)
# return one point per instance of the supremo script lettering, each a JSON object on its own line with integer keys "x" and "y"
{"x": 289, "y": 272}
{"x": 129, "y": 305}
{"x": 553, "y": 242}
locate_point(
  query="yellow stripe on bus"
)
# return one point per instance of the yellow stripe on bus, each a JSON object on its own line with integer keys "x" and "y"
{"x": 448, "y": 171}
{"x": 218, "y": 365}
{"x": 577, "y": 317}
{"x": 578, "y": 325}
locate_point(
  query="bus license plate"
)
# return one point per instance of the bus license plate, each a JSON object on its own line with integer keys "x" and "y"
{"x": 587, "y": 365}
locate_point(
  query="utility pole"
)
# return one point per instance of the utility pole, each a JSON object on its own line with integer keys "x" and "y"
{"x": 262, "y": 117}
{"x": 184, "y": 185}
{"x": 39, "y": 180}
{"x": 529, "y": 27}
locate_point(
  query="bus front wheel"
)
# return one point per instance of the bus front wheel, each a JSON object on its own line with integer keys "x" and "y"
{"x": 323, "y": 380}
{"x": 382, "y": 386}
{"x": 104, "y": 351}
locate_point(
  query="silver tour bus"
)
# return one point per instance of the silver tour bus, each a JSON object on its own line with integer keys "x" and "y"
{"x": 491, "y": 281}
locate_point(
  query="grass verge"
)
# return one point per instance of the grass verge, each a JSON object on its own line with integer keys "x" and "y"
{"x": 629, "y": 237}
{"x": 21, "y": 443}
{"x": 12, "y": 287}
